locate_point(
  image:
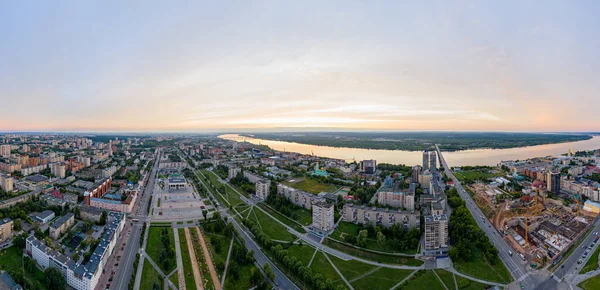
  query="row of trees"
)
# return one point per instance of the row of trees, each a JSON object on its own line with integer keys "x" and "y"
{"x": 281, "y": 203}
{"x": 242, "y": 182}
{"x": 316, "y": 281}
{"x": 167, "y": 252}
{"x": 396, "y": 237}
{"x": 465, "y": 236}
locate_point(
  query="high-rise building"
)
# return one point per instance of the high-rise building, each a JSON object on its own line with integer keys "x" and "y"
{"x": 323, "y": 215}
{"x": 6, "y": 230}
{"x": 436, "y": 232}
{"x": 262, "y": 188}
{"x": 368, "y": 166}
{"x": 425, "y": 159}
{"x": 553, "y": 180}
{"x": 432, "y": 161}
{"x": 415, "y": 174}
{"x": 5, "y": 150}
{"x": 58, "y": 169}
{"x": 6, "y": 182}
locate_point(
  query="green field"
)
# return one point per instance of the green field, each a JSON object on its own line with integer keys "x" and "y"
{"x": 475, "y": 175}
{"x": 351, "y": 268}
{"x": 479, "y": 268}
{"x": 426, "y": 280}
{"x": 447, "y": 278}
{"x": 346, "y": 228}
{"x": 592, "y": 263}
{"x": 175, "y": 279}
{"x": 322, "y": 266}
{"x": 155, "y": 247}
{"x": 466, "y": 284}
{"x": 232, "y": 197}
{"x": 219, "y": 257}
{"x": 284, "y": 219}
{"x": 382, "y": 258}
{"x": 149, "y": 277}
{"x": 590, "y": 284}
{"x": 383, "y": 278}
{"x": 271, "y": 227}
{"x": 187, "y": 264}
{"x": 311, "y": 186}
{"x": 11, "y": 261}
{"x": 303, "y": 253}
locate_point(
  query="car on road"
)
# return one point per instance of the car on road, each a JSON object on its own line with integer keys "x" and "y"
{"x": 521, "y": 284}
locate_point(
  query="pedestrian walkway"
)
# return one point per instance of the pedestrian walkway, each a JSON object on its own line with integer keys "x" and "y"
{"x": 227, "y": 262}
{"x": 208, "y": 259}
{"x": 180, "y": 274}
{"x": 339, "y": 273}
{"x": 195, "y": 268}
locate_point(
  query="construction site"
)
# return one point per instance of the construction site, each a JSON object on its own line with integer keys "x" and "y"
{"x": 538, "y": 228}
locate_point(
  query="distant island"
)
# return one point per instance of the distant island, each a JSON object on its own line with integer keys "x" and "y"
{"x": 419, "y": 141}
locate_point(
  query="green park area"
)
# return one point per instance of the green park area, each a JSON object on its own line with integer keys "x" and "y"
{"x": 422, "y": 280}
{"x": 592, "y": 263}
{"x": 187, "y": 264}
{"x": 295, "y": 224}
{"x": 311, "y": 186}
{"x": 223, "y": 190}
{"x": 462, "y": 283}
{"x": 11, "y": 261}
{"x": 375, "y": 257}
{"x": 161, "y": 247}
{"x": 351, "y": 269}
{"x": 346, "y": 229}
{"x": 270, "y": 226}
{"x": 477, "y": 173}
{"x": 175, "y": 280}
{"x": 302, "y": 252}
{"x": 322, "y": 266}
{"x": 590, "y": 284}
{"x": 478, "y": 267}
{"x": 240, "y": 273}
{"x": 381, "y": 279}
{"x": 150, "y": 277}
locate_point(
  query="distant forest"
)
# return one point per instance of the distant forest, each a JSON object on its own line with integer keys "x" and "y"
{"x": 418, "y": 141}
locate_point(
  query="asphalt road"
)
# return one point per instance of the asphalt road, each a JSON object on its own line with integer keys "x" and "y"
{"x": 515, "y": 265}
{"x": 125, "y": 270}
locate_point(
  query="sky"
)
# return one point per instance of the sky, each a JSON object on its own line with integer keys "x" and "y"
{"x": 202, "y": 66}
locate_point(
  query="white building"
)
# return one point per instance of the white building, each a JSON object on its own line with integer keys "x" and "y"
{"x": 323, "y": 216}
{"x": 6, "y": 182}
{"x": 233, "y": 171}
{"x": 58, "y": 169}
{"x": 79, "y": 276}
{"x": 262, "y": 188}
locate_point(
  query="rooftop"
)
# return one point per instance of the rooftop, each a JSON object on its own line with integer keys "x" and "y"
{"x": 60, "y": 221}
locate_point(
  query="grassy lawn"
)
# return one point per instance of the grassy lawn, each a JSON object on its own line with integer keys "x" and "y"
{"x": 312, "y": 186}
{"x": 383, "y": 278}
{"x": 11, "y": 261}
{"x": 232, "y": 196}
{"x": 155, "y": 247}
{"x": 150, "y": 276}
{"x": 208, "y": 283}
{"x": 466, "y": 284}
{"x": 351, "y": 268}
{"x": 303, "y": 253}
{"x": 219, "y": 257}
{"x": 243, "y": 282}
{"x": 447, "y": 278}
{"x": 271, "y": 227}
{"x": 592, "y": 263}
{"x": 383, "y": 258}
{"x": 322, "y": 266}
{"x": 590, "y": 284}
{"x": 479, "y": 268}
{"x": 426, "y": 280}
{"x": 187, "y": 264}
{"x": 475, "y": 175}
{"x": 346, "y": 228}
{"x": 175, "y": 279}
{"x": 284, "y": 219}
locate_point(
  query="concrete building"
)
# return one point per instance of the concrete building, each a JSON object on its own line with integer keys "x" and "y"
{"x": 5, "y": 150}
{"x": 6, "y": 229}
{"x": 553, "y": 180}
{"x": 368, "y": 166}
{"x": 425, "y": 178}
{"x": 79, "y": 276}
{"x": 45, "y": 216}
{"x": 58, "y": 169}
{"x": 109, "y": 171}
{"x": 262, "y": 188}
{"x": 176, "y": 182}
{"x": 6, "y": 182}
{"x": 380, "y": 216}
{"x": 233, "y": 171}
{"x": 416, "y": 170}
{"x": 322, "y": 213}
{"x": 432, "y": 161}
{"x": 395, "y": 196}
{"x": 98, "y": 190}
{"x": 425, "y": 160}
{"x": 252, "y": 177}
{"x": 298, "y": 197}
{"x": 591, "y": 206}
{"x": 436, "y": 232}
{"x": 60, "y": 225}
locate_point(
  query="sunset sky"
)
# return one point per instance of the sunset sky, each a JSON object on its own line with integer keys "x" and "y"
{"x": 257, "y": 65}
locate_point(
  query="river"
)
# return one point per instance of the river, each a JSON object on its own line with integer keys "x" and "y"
{"x": 489, "y": 157}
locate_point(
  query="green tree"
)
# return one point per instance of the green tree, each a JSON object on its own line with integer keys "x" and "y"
{"x": 103, "y": 217}
{"x": 268, "y": 271}
{"x": 55, "y": 279}
{"x": 17, "y": 225}
{"x": 362, "y": 238}
{"x": 380, "y": 238}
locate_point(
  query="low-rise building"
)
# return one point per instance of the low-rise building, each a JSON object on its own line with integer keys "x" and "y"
{"x": 322, "y": 213}
{"x": 60, "y": 225}
{"x": 298, "y": 197}
{"x": 380, "y": 216}
{"x": 45, "y": 216}
{"x": 176, "y": 182}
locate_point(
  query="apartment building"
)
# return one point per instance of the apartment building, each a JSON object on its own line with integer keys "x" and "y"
{"x": 436, "y": 232}
{"x": 6, "y": 182}
{"x": 6, "y": 229}
{"x": 262, "y": 188}
{"x": 322, "y": 213}
{"x": 395, "y": 196}
{"x": 298, "y": 197}
{"x": 233, "y": 171}
{"x": 380, "y": 216}
{"x": 60, "y": 225}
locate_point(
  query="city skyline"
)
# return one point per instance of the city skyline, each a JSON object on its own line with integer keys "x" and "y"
{"x": 267, "y": 65}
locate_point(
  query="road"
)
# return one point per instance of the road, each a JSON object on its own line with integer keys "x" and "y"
{"x": 125, "y": 270}
{"x": 517, "y": 267}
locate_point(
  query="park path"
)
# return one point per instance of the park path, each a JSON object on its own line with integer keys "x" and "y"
{"x": 405, "y": 279}
{"x": 227, "y": 262}
{"x": 180, "y": 275}
{"x": 208, "y": 259}
{"x": 338, "y": 271}
{"x": 438, "y": 276}
{"x": 365, "y": 274}
{"x": 195, "y": 268}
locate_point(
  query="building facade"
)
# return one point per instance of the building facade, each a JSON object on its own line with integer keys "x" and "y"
{"x": 322, "y": 213}
{"x": 380, "y": 216}
{"x": 262, "y": 188}
{"x": 436, "y": 232}
{"x": 60, "y": 225}
{"x": 6, "y": 229}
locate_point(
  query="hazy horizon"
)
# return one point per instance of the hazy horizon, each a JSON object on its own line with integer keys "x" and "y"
{"x": 256, "y": 66}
